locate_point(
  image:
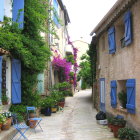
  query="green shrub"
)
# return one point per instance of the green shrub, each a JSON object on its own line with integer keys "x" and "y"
{"x": 84, "y": 85}
{"x": 127, "y": 133}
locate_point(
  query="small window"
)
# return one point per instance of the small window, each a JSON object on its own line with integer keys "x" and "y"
{"x": 122, "y": 93}
{"x": 120, "y": 34}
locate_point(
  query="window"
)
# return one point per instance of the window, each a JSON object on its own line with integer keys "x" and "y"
{"x": 56, "y": 12}
{"x": 124, "y": 30}
{"x": 120, "y": 30}
{"x": 122, "y": 93}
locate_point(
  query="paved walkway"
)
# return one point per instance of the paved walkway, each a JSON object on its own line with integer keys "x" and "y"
{"x": 75, "y": 122}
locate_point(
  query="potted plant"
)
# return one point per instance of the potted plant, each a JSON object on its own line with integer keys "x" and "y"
{"x": 110, "y": 123}
{"x": 4, "y": 99}
{"x": 71, "y": 74}
{"x": 122, "y": 98}
{"x": 117, "y": 123}
{"x": 47, "y": 103}
{"x": 7, "y": 124}
{"x": 2, "y": 120}
{"x": 127, "y": 134}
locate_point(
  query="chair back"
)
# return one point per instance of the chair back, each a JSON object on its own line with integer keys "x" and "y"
{"x": 30, "y": 109}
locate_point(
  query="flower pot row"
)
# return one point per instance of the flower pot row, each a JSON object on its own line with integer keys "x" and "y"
{"x": 48, "y": 110}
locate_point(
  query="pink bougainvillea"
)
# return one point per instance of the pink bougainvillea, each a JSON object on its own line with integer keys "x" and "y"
{"x": 62, "y": 64}
{"x": 75, "y": 50}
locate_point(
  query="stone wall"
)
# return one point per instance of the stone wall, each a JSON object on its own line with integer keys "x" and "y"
{"x": 123, "y": 65}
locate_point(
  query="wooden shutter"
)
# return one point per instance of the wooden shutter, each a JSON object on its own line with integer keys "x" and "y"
{"x": 41, "y": 83}
{"x": 0, "y": 76}
{"x": 1, "y": 10}
{"x": 55, "y": 15}
{"x": 111, "y": 40}
{"x": 128, "y": 28}
{"x": 113, "y": 86}
{"x": 16, "y": 81}
{"x": 18, "y": 12}
{"x": 130, "y": 85}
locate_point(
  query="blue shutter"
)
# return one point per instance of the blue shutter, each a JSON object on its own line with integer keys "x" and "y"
{"x": 130, "y": 85}
{"x": 40, "y": 85}
{"x": 55, "y": 15}
{"x": 16, "y": 81}
{"x": 128, "y": 28}
{"x": 18, "y": 12}
{"x": 1, "y": 10}
{"x": 113, "y": 93}
{"x": 0, "y": 76}
{"x": 111, "y": 40}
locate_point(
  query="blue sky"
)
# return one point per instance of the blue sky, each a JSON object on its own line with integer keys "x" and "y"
{"x": 85, "y": 15}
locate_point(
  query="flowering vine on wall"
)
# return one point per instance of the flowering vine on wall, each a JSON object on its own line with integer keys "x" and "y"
{"x": 62, "y": 64}
{"x": 75, "y": 50}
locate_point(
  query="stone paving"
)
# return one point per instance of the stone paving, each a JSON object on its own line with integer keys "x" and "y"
{"x": 75, "y": 122}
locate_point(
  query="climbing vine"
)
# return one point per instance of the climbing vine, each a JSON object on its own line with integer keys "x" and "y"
{"x": 92, "y": 58}
{"x": 28, "y": 45}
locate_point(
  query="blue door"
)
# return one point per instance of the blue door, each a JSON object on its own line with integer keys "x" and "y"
{"x": 16, "y": 81}
{"x": 102, "y": 94}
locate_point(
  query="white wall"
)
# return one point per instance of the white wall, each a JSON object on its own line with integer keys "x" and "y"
{"x": 8, "y": 8}
{"x": 8, "y": 78}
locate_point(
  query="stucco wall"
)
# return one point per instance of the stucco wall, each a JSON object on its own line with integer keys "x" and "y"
{"x": 123, "y": 65}
{"x": 82, "y": 48}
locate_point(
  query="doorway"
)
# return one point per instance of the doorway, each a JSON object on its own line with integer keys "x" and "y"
{"x": 102, "y": 94}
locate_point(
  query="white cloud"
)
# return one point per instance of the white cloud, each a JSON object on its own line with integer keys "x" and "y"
{"x": 85, "y": 15}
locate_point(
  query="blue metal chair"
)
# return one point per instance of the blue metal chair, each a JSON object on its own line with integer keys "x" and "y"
{"x": 20, "y": 127}
{"x": 33, "y": 110}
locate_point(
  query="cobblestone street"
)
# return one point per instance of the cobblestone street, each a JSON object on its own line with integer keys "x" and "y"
{"x": 75, "y": 122}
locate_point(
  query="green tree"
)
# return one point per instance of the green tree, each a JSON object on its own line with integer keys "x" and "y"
{"x": 85, "y": 71}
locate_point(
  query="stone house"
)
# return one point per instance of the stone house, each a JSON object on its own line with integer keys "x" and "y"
{"x": 118, "y": 61}
{"x": 58, "y": 45}
{"x": 10, "y": 68}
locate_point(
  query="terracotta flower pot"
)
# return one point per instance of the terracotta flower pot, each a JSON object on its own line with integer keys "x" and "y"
{"x": 61, "y": 104}
{"x": 115, "y": 130}
{"x": 32, "y": 123}
{"x": 111, "y": 127}
{"x": 71, "y": 81}
{"x": 5, "y": 102}
{"x": 0, "y": 126}
{"x": 7, "y": 125}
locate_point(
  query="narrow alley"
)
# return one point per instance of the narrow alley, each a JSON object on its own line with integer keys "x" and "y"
{"x": 75, "y": 122}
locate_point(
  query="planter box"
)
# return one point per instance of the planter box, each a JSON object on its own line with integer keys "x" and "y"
{"x": 102, "y": 122}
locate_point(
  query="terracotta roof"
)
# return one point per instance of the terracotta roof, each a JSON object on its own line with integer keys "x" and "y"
{"x": 118, "y": 9}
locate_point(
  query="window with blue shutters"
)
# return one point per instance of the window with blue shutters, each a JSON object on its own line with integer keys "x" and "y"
{"x": 18, "y": 12}
{"x": 56, "y": 12}
{"x": 1, "y": 10}
{"x": 113, "y": 96}
{"x": 111, "y": 40}
{"x": 131, "y": 95}
{"x": 16, "y": 81}
{"x": 128, "y": 28}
